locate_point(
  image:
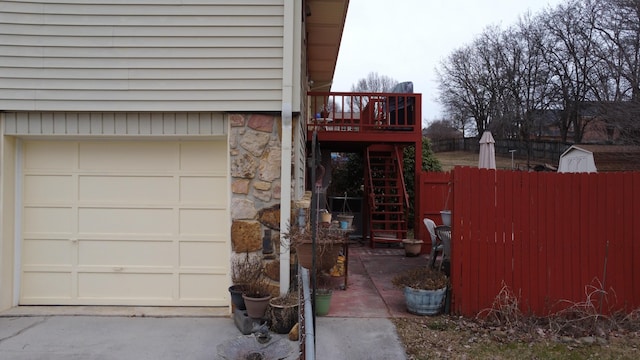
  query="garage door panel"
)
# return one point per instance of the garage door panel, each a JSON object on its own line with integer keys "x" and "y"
{"x": 128, "y": 156}
{"x": 125, "y": 253}
{"x": 202, "y": 190}
{"x": 49, "y": 188}
{"x": 49, "y": 220}
{"x": 201, "y": 221}
{"x": 37, "y": 155}
{"x": 126, "y": 221}
{"x": 201, "y": 155}
{"x": 46, "y": 285}
{"x": 195, "y": 287}
{"x": 128, "y": 189}
{"x": 125, "y": 286}
{"x": 46, "y": 252}
{"x": 203, "y": 254}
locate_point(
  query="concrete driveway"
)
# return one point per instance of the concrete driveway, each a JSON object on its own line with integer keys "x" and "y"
{"x": 95, "y": 337}
{"x": 147, "y": 338}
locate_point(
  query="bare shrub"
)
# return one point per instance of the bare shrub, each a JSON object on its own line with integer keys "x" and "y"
{"x": 505, "y": 308}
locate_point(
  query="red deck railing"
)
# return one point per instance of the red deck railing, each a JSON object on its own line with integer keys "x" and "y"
{"x": 364, "y": 112}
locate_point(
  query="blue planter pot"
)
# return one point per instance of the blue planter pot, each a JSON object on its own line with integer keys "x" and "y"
{"x": 424, "y": 302}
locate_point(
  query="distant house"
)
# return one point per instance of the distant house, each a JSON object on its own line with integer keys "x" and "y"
{"x": 605, "y": 123}
{"x": 600, "y": 158}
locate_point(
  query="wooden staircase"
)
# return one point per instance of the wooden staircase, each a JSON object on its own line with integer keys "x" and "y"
{"x": 388, "y": 199}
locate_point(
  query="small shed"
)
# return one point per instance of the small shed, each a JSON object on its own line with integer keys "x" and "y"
{"x": 594, "y": 158}
{"x": 577, "y": 159}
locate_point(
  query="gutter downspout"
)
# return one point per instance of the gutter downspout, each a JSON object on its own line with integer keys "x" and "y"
{"x": 285, "y": 161}
{"x": 309, "y": 338}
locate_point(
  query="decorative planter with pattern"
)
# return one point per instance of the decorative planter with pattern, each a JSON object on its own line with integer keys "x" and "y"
{"x": 424, "y": 302}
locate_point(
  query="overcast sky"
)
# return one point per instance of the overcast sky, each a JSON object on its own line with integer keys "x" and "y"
{"x": 407, "y": 39}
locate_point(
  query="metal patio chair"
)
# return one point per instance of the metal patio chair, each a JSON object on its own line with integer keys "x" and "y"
{"x": 444, "y": 234}
{"x": 436, "y": 245}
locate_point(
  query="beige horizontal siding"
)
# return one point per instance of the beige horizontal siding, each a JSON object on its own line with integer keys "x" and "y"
{"x": 114, "y": 124}
{"x": 138, "y": 55}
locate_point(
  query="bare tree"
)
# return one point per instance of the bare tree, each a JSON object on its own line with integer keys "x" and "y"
{"x": 569, "y": 52}
{"x": 461, "y": 87}
{"x": 374, "y": 83}
{"x": 572, "y": 64}
{"x": 618, "y": 25}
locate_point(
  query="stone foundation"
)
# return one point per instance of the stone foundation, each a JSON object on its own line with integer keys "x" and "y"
{"x": 255, "y": 156}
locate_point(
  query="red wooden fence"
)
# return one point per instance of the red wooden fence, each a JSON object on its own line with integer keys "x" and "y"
{"x": 435, "y": 194}
{"x": 551, "y": 239}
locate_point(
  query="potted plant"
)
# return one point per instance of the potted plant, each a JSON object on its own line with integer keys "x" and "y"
{"x": 243, "y": 269}
{"x": 323, "y": 293}
{"x": 412, "y": 247}
{"x": 257, "y": 290}
{"x": 329, "y": 242}
{"x": 283, "y": 312}
{"x": 424, "y": 289}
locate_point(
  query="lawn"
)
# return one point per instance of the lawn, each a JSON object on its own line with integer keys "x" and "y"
{"x": 451, "y": 159}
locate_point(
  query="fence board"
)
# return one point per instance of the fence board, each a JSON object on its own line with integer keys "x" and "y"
{"x": 570, "y": 264}
{"x": 585, "y": 233}
{"x": 599, "y": 247}
{"x": 545, "y": 236}
{"x": 612, "y": 232}
{"x": 516, "y": 208}
{"x": 527, "y": 247}
{"x": 635, "y": 270}
{"x": 627, "y": 236}
{"x": 501, "y": 218}
{"x": 484, "y": 269}
{"x": 553, "y": 275}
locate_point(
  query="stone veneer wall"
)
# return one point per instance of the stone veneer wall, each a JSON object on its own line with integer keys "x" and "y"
{"x": 255, "y": 156}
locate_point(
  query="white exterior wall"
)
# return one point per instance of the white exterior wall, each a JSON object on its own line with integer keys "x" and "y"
{"x": 115, "y": 124}
{"x": 147, "y": 55}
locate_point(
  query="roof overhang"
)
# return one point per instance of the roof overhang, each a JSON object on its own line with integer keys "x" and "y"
{"x": 324, "y": 25}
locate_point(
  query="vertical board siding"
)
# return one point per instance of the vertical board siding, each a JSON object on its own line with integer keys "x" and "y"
{"x": 432, "y": 198}
{"x": 145, "y": 55}
{"x": 550, "y": 239}
{"x": 154, "y": 124}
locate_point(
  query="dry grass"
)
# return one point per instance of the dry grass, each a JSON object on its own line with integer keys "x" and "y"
{"x": 451, "y": 159}
{"x": 504, "y": 332}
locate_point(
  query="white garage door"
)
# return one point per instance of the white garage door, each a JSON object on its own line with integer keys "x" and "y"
{"x": 125, "y": 223}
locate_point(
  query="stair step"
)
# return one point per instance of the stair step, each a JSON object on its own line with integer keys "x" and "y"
{"x": 387, "y": 215}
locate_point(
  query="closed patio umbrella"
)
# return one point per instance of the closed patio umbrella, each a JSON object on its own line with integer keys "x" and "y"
{"x": 487, "y": 159}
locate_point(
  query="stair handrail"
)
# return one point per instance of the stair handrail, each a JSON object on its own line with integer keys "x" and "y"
{"x": 401, "y": 170}
{"x": 370, "y": 179}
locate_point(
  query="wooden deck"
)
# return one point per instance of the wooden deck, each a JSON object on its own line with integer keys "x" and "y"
{"x": 350, "y": 120}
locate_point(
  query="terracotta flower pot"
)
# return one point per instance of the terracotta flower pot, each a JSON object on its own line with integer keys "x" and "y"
{"x": 256, "y": 306}
{"x": 412, "y": 247}
{"x": 326, "y": 255}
